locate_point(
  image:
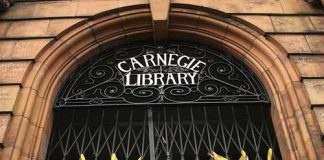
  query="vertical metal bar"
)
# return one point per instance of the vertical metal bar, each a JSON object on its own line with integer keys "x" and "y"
{"x": 99, "y": 135}
{"x": 223, "y": 133}
{"x": 129, "y": 135}
{"x": 151, "y": 133}
{"x": 143, "y": 140}
{"x": 85, "y": 132}
{"x": 194, "y": 133}
{"x": 180, "y": 134}
{"x": 166, "y": 134}
{"x": 236, "y": 128}
{"x": 68, "y": 138}
{"x": 208, "y": 134}
{"x": 115, "y": 131}
{"x": 252, "y": 131}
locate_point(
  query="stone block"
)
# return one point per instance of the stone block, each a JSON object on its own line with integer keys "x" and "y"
{"x": 319, "y": 112}
{"x": 299, "y": 7}
{"x": 3, "y": 28}
{"x": 8, "y": 95}
{"x": 13, "y": 72}
{"x": 125, "y": 3}
{"x": 21, "y": 49}
{"x": 262, "y": 6}
{"x": 293, "y": 43}
{"x": 250, "y": 6}
{"x": 292, "y": 24}
{"x": 4, "y": 122}
{"x": 58, "y": 25}
{"x": 6, "y": 48}
{"x": 28, "y": 49}
{"x": 262, "y": 22}
{"x": 316, "y": 43}
{"x": 28, "y": 28}
{"x": 56, "y": 9}
{"x": 318, "y": 22}
{"x": 20, "y": 10}
{"x": 315, "y": 90}
{"x": 311, "y": 69}
{"x": 95, "y": 7}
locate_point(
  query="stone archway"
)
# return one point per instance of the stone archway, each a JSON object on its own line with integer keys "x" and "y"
{"x": 106, "y": 30}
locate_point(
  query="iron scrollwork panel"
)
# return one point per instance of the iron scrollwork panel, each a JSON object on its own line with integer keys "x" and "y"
{"x": 100, "y": 82}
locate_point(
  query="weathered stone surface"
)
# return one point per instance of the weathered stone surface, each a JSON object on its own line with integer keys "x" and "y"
{"x": 50, "y": 9}
{"x": 298, "y": 7}
{"x": 8, "y": 95}
{"x": 19, "y": 10}
{"x": 248, "y": 6}
{"x": 57, "y": 26}
{"x": 125, "y": 3}
{"x": 292, "y": 24}
{"x": 315, "y": 90}
{"x": 3, "y": 28}
{"x": 21, "y": 49}
{"x": 13, "y": 72}
{"x": 318, "y": 22}
{"x": 27, "y": 28}
{"x": 262, "y": 22}
{"x": 38, "y": 28}
{"x": 6, "y": 48}
{"x": 92, "y": 8}
{"x": 309, "y": 66}
{"x": 4, "y": 122}
{"x": 319, "y": 112}
{"x": 293, "y": 43}
{"x": 316, "y": 43}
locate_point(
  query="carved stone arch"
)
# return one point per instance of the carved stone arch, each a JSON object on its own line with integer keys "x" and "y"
{"x": 92, "y": 36}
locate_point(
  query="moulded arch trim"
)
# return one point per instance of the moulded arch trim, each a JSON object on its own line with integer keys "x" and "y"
{"x": 92, "y": 36}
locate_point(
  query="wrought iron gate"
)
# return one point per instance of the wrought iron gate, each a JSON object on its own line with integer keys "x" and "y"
{"x": 162, "y": 102}
{"x": 163, "y": 133}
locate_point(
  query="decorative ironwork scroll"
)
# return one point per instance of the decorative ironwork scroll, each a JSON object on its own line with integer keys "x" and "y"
{"x": 161, "y": 74}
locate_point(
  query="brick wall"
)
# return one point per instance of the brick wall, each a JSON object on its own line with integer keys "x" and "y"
{"x": 28, "y": 28}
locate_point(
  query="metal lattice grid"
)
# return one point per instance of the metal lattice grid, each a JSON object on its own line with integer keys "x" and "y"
{"x": 163, "y": 132}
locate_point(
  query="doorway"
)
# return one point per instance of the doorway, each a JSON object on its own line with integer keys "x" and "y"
{"x": 172, "y": 101}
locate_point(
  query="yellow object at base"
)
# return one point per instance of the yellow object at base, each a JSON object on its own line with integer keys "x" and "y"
{"x": 215, "y": 156}
{"x": 82, "y": 157}
{"x": 243, "y": 156}
{"x": 270, "y": 154}
{"x": 114, "y": 157}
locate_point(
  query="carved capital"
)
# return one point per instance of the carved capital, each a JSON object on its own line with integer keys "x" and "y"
{"x": 5, "y": 4}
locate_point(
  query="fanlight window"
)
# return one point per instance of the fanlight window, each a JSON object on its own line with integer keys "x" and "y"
{"x": 162, "y": 102}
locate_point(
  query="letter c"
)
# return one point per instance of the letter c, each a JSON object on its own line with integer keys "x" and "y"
{"x": 121, "y": 69}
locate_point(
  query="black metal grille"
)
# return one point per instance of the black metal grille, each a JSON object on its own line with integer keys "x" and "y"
{"x": 224, "y": 109}
{"x": 163, "y": 133}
